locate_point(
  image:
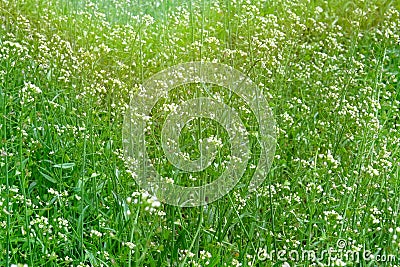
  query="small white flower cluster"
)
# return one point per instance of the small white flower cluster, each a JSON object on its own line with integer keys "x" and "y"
{"x": 329, "y": 160}
{"x": 56, "y": 193}
{"x": 239, "y": 200}
{"x": 95, "y": 233}
{"x": 236, "y": 263}
{"x": 82, "y": 264}
{"x": 148, "y": 20}
{"x": 185, "y": 253}
{"x": 205, "y": 255}
{"x": 28, "y": 93}
{"x": 215, "y": 141}
{"x": 170, "y": 107}
{"x": 130, "y": 245}
{"x": 150, "y": 202}
{"x": 395, "y": 233}
{"x": 333, "y": 214}
{"x": 40, "y": 221}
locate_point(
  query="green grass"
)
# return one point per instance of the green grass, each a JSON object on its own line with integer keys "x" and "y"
{"x": 330, "y": 71}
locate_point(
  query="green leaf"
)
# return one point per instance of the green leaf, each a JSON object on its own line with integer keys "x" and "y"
{"x": 49, "y": 75}
{"x": 64, "y": 165}
{"x": 48, "y": 177}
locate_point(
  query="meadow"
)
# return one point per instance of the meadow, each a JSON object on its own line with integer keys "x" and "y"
{"x": 329, "y": 70}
